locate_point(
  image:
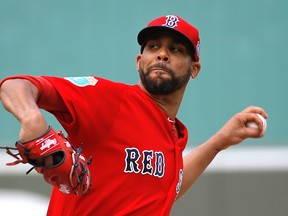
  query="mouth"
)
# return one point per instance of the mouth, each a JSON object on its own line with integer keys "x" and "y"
{"x": 159, "y": 71}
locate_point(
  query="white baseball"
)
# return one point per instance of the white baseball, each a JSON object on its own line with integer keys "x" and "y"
{"x": 254, "y": 125}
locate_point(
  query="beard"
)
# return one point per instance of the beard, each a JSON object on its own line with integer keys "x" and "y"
{"x": 160, "y": 85}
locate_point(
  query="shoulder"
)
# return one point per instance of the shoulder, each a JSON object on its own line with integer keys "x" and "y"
{"x": 84, "y": 81}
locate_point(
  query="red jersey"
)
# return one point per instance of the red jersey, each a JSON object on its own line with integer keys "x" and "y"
{"x": 136, "y": 165}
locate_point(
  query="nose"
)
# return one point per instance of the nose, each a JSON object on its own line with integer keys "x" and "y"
{"x": 163, "y": 55}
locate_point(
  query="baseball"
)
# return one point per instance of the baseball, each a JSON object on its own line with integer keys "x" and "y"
{"x": 254, "y": 125}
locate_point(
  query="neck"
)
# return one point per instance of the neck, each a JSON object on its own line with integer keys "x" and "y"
{"x": 168, "y": 103}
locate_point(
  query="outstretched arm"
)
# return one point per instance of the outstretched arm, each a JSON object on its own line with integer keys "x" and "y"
{"x": 232, "y": 133}
{"x": 19, "y": 97}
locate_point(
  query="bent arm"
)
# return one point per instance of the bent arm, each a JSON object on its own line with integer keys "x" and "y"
{"x": 232, "y": 133}
{"x": 19, "y": 97}
{"x": 196, "y": 161}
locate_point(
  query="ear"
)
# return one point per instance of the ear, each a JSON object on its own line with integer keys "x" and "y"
{"x": 138, "y": 58}
{"x": 195, "y": 69}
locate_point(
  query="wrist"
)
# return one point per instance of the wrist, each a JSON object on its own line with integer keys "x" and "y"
{"x": 219, "y": 141}
{"x": 33, "y": 124}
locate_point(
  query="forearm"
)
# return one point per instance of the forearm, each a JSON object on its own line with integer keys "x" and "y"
{"x": 196, "y": 161}
{"x": 19, "y": 97}
{"x": 232, "y": 133}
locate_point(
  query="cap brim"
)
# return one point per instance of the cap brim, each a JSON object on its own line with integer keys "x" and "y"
{"x": 147, "y": 32}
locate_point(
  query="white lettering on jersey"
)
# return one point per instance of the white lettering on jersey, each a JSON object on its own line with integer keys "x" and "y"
{"x": 178, "y": 186}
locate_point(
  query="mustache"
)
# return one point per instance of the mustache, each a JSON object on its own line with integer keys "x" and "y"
{"x": 161, "y": 66}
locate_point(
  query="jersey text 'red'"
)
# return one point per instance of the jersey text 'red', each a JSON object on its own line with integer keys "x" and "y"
{"x": 137, "y": 164}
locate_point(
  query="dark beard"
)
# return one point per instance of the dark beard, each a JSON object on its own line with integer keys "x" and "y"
{"x": 162, "y": 86}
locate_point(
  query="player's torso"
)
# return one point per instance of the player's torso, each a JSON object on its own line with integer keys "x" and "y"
{"x": 136, "y": 163}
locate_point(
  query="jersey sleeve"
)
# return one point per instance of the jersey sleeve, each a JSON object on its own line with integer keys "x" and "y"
{"x": 45, "y": 91}
{"x": 93, "y": 105}
{"x": 82, "y": 105}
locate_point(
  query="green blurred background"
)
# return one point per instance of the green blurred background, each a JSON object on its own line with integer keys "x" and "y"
{"x": 244, "y": 62}
{"x": 243, "y": 54}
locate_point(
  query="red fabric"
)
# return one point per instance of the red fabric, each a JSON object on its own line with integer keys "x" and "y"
{"x": 116, "y": 123}
{"x": 176, "y": 25}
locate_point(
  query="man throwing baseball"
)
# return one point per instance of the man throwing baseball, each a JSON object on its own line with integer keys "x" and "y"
{"x": 123, "y": 152}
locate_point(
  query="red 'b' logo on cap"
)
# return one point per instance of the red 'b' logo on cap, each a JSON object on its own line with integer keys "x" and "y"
{"x": 171, "y": 21}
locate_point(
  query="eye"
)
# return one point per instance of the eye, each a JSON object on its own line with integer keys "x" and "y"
{"x": 153, "y": 46}
{"x": 176, "y": 49}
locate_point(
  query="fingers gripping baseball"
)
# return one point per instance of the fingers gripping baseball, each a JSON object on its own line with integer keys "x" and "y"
{"x": 61, "y": 164}
{"x": 243, "y": 125}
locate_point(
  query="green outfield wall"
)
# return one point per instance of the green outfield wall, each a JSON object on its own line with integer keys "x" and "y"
{"x": 244, "y": 62}
{"x": 243, "y": 54}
